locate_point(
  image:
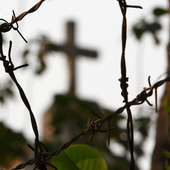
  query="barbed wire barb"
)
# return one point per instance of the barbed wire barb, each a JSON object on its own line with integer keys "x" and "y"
{"x": 41, "y": 153}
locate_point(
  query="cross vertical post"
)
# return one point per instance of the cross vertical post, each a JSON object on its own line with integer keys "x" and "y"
{"x": 73, "y": 52}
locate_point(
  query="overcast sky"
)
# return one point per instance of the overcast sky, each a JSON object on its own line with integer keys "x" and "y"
{"x": 98, "y": 27}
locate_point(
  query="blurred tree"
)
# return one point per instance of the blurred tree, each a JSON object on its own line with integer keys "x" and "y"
{"x": 68, "y": 115}
{"x": 162, "y": 135}
{"x": 6, "y": 91}
{"x": 12, "y": 146}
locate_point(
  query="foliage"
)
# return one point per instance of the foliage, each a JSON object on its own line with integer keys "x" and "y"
{"x": 46, "y": 46}
{"x": 167, "y": 154}
{"x": 144, "y": 26}
{"x": 167, "y": 107}
{"x": 12, "y": 145}
{"x": 79, "y": 110}
{"x": 140, "y": 29}
{"x": 68, "y": 118}
{"x": 158, "y": 12}
{"x": 79, "y": 157}
{"x": 6, "y": 91}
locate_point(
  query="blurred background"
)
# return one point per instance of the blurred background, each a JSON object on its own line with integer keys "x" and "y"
{"x": 97, "y": 28}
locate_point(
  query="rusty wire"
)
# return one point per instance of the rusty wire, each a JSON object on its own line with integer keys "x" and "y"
{"x": 95, "y": 126}
{"x": 9, "y": 68}
{"x": 41, "y": 153}
{"x": 124, "y": 79}
{"x": 7, "y": 26}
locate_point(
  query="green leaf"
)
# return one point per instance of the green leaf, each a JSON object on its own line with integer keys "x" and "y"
{"x": 79, "y": 157}
{"x": 138, "y": 32}
{"x": 12, "y": 146}
{"x": 167, "y": 107}
{"x": 159, "y": 11}
{"x": 166, "y": 153}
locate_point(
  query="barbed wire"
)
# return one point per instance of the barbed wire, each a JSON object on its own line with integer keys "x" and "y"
{"x": 9, "y": 68}
{"x": 124, "y": 79}
{"x": 7, "y": 26}
{"x": 41, "y": 153}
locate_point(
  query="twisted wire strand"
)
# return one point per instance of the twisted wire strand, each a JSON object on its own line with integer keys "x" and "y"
{"x": 124, "y": 79}
{"x": 140, "y": 99}
{"x": 41, "y": 157}
{"x": 5, "y": 27}
{"x": 9, "y": 68}
{"x": 31, "y": 10}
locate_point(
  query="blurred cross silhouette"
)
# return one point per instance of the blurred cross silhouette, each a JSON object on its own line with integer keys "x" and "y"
{"x": 73, "y": 52}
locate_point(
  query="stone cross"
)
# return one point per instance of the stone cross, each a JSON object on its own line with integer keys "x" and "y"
{"x": 73, "y": 52}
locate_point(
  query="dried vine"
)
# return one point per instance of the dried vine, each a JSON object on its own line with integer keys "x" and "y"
{"x": 41, "y": 154}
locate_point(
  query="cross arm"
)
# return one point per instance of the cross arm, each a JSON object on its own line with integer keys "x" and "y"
{"x": 87, "y": 53}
